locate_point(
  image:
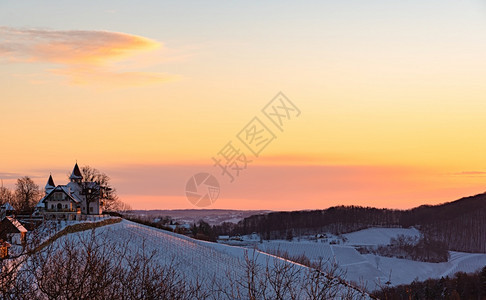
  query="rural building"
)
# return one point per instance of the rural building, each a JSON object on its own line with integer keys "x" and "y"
{"x": 12, "y": 231}
{"x": 71, "y": 201}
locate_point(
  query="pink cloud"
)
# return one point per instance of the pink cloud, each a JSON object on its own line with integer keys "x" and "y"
{"x": 85, "y": 56}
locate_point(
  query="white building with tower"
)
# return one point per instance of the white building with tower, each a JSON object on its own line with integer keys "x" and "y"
{"x": 71, "y": 201}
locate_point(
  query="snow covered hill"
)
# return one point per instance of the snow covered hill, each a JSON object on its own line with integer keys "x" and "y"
{"x": 378, "y": 236}
{"x": 197, "y": 260}
{"x": 190, "y": 216}
{"x": 213, "y": 262}
{"x": 372, "y": 270}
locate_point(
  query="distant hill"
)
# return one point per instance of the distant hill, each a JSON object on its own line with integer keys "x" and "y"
{"x": 210, "y": 216}
{"x": 461, "y": 224}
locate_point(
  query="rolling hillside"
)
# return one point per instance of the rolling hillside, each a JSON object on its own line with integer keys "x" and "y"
{"x": 460, "y": 224}
{"x": 374, "y": 271}
{"x": 197, "y": 260}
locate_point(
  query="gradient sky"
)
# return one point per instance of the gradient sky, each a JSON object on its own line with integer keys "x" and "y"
{"x": 391, "y": 94}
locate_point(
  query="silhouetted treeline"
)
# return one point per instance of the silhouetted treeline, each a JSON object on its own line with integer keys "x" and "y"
{"x": 411, "y": 247}
{"x": 460, "y": 286}
{"x": 337, "y": 220}
{"x": 149, "y": 222}
{"x": 461, "y": 224}
{"x": 203, "y": 231}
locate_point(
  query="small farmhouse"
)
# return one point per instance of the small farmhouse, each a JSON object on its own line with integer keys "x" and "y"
{"x": 12, "y": 231}
{"x": 71, "y": 201}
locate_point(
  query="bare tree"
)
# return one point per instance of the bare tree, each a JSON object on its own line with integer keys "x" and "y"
{"x": 86, "y": 267}
{"x": 27, "y": 194}
{"x": 122, "y": 207}
{"x": 6, "y": 195}
{"x": 283, "y": 279}
{"x": 15, "y": 280}
{"x": 106, "y": 193}
{"x": 323, "y": 281}
{"x": 83, "y": 269}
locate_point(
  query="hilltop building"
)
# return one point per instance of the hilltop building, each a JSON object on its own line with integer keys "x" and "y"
{"x": 70, "y": 201}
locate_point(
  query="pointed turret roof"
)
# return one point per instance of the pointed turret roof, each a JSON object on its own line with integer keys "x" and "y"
{"x": 7, "y": 206}
{"x": 76, "y": 174}
{"x": 50, "y": 182}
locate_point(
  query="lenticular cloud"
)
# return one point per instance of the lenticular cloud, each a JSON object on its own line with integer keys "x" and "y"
{"x": 84, "y": 55}
{"x": 70, "y": 47}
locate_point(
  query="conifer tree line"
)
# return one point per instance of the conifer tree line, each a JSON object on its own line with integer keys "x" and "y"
{"x": 460, "y": 225}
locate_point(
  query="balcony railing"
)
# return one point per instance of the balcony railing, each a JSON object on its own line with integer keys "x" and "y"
{"x": 63, "y": 210}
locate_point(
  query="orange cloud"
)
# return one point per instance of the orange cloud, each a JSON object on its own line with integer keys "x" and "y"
{"x": 86, "y": 56}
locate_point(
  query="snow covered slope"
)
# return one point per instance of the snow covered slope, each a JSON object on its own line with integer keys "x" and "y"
{"x": 194, "y": 258}
{"x": 378, "y": 236}
{"x": 376, "y": 270}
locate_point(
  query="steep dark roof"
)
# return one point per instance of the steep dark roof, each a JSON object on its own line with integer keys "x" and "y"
{"x": 50, "y": 182}
{"x": 10, "y": 225}
{"x": 76, "y": 174}
{"x": 7, "y": 207}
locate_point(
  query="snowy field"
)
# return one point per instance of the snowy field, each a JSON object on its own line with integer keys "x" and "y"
{"x": 378, "y": 236}
{"x": 194, "y": 258}
{"x": 376, "y": 270}
{"x": 205, "y": 260}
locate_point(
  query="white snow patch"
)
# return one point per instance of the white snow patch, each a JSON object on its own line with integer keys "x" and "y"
{"x": 378, "y": 236}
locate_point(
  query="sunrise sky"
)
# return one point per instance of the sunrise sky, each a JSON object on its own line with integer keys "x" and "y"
{"x": 391, "y": 94}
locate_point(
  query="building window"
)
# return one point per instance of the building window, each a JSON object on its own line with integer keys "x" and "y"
{"x": 91, "y": 209}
